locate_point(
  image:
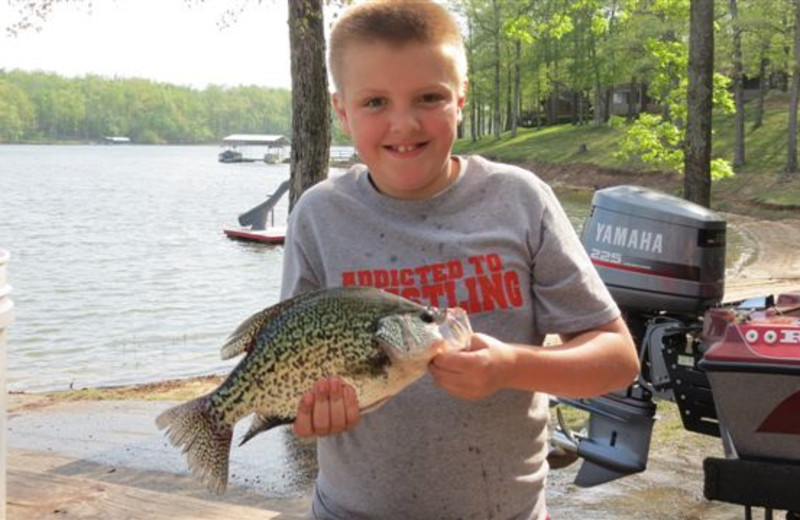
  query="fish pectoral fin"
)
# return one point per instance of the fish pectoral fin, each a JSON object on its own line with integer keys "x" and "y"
{"x": 262, "y": 423}
{"x": 374, "y": 406}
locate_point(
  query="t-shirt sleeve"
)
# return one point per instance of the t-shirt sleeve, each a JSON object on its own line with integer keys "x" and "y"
{"x": 568, "y": 293}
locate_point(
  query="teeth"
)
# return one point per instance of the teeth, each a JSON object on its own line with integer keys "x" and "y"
{"x": 404, "y": 149}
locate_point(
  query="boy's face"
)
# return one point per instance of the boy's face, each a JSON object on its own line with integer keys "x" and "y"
{"x": 401, "y": 105}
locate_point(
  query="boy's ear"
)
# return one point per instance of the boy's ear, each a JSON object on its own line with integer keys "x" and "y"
{"x": 462, "y": 97}
{"x": 462, "y": 100}
{"x": 338, "y": 107}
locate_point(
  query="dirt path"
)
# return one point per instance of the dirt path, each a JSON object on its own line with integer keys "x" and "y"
{"x": 773, "y": 265}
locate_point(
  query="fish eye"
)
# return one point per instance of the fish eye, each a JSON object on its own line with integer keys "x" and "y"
{"x": 427, "y": 316}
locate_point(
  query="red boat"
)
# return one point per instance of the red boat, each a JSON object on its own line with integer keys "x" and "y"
{"x": 753, "y": 365}
{"x": 254, "y": 222}
{"x": 275, "y": 235}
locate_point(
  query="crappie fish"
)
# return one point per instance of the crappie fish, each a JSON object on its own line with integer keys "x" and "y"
{"x": 376, "y": 341}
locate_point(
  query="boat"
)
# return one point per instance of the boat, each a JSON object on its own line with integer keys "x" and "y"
{"x": 232, "y": 156}
{"x": 753, "y": 364}
{"x": 254, "y": 221}
{"x": 116, "y": 139}
{"x": 273, "y": 236}
{"x": 241, "y": 148}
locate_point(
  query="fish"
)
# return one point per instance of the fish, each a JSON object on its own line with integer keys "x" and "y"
{"x": 374, "y": 340}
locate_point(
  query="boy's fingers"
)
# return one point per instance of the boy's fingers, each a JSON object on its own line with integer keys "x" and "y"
{"x": 302, "y": 424}
{"x": 321, "y": 417}
{"x": 352, "y": 413}
{"x": 338, "y": 417}
{"x": 332, "y": 407}
{"x": 454, "y": 362}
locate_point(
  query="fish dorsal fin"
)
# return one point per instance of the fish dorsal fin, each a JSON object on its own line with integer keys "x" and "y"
{"x": 262, "y": 423}
{"x": 243, "y": 338}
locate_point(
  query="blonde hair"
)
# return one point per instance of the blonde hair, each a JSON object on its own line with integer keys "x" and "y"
{"x": 397, "y": 22}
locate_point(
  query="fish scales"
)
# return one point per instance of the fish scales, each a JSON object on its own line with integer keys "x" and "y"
{"x": 375, "y": 341}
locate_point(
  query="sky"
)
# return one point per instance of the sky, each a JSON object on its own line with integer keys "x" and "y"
{"x": 164, "y": 40}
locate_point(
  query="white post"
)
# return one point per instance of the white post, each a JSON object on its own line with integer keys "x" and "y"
{"x": 6, "y": 317}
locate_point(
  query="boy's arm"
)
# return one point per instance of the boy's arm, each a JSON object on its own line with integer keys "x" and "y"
{"x": 588, "y": 363}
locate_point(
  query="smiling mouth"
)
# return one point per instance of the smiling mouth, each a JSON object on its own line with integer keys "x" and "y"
{"x": 405, "y": 148}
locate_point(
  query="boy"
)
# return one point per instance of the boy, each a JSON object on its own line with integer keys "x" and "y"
{"x": 470, "y": 440}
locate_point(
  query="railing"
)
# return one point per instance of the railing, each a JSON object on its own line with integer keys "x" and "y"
{"x": 342, "y": 154}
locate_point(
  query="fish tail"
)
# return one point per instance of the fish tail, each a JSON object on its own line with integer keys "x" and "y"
{"x": 203, "y": 437}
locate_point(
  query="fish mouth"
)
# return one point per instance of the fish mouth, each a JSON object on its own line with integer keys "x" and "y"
{"x": 456, "y": 329}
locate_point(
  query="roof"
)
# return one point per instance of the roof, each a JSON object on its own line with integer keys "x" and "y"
{"x": 262, "y": 139}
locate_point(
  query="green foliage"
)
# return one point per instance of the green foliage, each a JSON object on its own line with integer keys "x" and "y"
{"x": 37, "y": 107}
{"x": 655, "y": 141}
{"x": 17, "y": 113}
{"x": 659, "y": 140}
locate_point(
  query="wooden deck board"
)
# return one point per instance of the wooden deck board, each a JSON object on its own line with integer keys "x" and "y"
{"x": 49, "y": 486}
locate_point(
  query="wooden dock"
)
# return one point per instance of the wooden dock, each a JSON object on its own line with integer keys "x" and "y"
{"x": 40, "y": 485}
{"x": 105, "y": 460}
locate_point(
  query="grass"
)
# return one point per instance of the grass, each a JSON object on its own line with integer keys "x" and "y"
{"x": 558, "y": 144}
{"x": 761, "y": 187}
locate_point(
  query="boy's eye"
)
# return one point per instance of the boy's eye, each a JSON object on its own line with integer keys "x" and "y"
{"x": 375, "y": 103}
{"x": 431, "y": 98}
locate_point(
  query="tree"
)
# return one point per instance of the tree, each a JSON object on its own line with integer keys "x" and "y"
{"x": 311, "y": 135}
{"x": 791, "y": 163}
{"x": 17, "y": 113}
{"x": 738, "y": 85}
{"x": 697, "y": 162}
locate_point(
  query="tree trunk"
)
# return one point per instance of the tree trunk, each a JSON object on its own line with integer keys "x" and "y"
{"x": 697, "y": 160}
{"x": 552, "y": 112}
{"x": 791, "y": 163}
{"x": 496, "y": 105}
{"x": 311, "y": 121}
{"x": 738, "y": 87}
{"x": 480, "y": 116}
{"x": 471, "y": 103}
{"x": 473, "y": 121}
{"x": 517, "y": 74}
{"x": 631, "y": 93}
{"x": 642, "y": 98}
{"x": 758, "y": 112}
{"x": 509, "y": 101}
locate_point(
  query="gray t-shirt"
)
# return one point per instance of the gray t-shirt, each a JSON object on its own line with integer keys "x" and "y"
{"x": 496, "y": 243}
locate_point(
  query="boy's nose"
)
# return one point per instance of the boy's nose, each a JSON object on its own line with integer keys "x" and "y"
{"x": 404, "y": 120}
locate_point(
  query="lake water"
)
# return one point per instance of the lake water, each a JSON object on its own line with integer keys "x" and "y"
{"x": 120, "y": 268}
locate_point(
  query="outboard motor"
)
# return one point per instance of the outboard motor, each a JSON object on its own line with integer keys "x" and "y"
{"x": 656, "y": 252}
{"x": 663, "y": 260}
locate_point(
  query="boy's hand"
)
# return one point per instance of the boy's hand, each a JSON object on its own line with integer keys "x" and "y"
{"x": 476, "y": 372}
{"x": 332, "y": 407}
